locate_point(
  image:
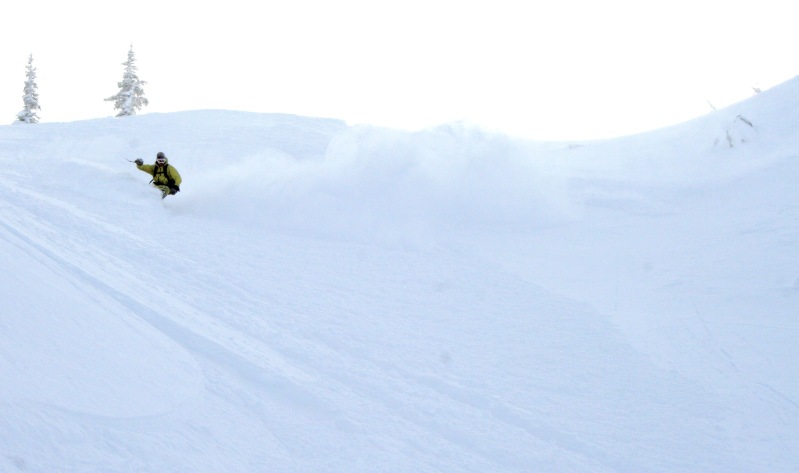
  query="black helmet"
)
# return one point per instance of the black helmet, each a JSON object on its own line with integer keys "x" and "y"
{"x": 160, "y": 158}
{"x": 160, "y": 155}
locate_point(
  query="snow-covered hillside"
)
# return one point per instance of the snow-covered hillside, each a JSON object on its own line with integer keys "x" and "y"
{"x": 325, "y": 298}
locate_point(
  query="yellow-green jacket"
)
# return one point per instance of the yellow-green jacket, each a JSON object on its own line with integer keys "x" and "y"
{"x": 161, "y": 178}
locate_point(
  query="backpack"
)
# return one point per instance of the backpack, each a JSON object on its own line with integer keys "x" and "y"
{"x": 169, "y": 181}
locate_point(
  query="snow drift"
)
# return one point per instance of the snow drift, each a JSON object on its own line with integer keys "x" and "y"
{"x": 322, "y": 297}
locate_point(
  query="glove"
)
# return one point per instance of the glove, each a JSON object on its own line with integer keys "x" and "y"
{"x": 174, "y": 190}
{"x": 139, "y": 162}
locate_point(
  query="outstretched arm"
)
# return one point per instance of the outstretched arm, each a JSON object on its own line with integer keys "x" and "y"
{"x": 148, "y": 168}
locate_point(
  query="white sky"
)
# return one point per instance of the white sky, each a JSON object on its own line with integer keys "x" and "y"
{"x": 564, "y": 69}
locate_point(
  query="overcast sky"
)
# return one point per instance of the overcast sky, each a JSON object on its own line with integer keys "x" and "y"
{"x": 562, "y": 69}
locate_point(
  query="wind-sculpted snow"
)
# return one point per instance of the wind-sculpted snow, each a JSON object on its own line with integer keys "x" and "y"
{"x": 327, "y": 298}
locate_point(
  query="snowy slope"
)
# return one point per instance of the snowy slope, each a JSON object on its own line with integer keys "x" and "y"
{"x": 327, "y": 298}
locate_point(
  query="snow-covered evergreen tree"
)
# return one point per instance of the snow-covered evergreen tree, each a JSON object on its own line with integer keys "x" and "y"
{"x": 130, "y": 98}
{"x": 31, "y": 95}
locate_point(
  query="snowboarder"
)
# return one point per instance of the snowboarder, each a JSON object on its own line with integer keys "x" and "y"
{"x": 165, "y": 177}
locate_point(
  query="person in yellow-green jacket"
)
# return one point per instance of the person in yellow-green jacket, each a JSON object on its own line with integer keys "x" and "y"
{"x": 165, "y": 177}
